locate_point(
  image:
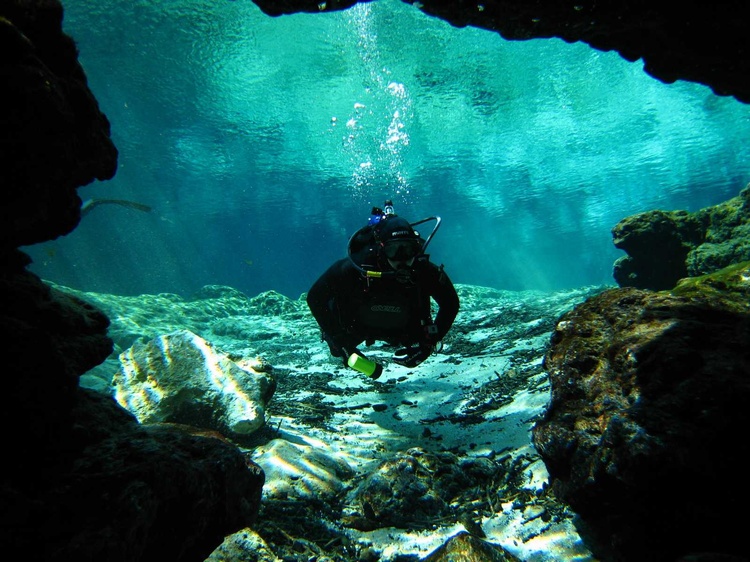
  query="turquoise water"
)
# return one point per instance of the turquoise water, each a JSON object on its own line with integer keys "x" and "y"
{"x": 262, "y": 143}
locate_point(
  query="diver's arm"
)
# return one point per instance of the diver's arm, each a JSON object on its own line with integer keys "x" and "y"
{"x": 336, "y": 283}
{"x": 444, "y": 293}
{"x": 319, "y": 299}
{"x": 439, "y": 287}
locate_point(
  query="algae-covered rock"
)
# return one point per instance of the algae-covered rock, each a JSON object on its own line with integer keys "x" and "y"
{"x": 664, "y": 247}
{"x": 730, "y": 286}
{"x": 467, "y": 548}
{"x": 649, "y": 399}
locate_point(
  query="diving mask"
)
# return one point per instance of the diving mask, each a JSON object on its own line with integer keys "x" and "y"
{"x": 402, "y": 250}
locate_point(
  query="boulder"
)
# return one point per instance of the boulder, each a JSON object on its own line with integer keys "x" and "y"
{"x": 657, "y": 244}
{"x": 49, "y": 338}
{"x": 400, "y": 493}
{"x": 182, "y": 378}
{"x": 244, "y": 545}
{"x": 118, "y": 491}
{"x": 301, "y": 471}
{"x": 468, "y": 548}
{"x": 85, "y": 481}
{"x": 648, "y": 414}
{"x": 410, "y": 490}
{"x": 666, "y": 246}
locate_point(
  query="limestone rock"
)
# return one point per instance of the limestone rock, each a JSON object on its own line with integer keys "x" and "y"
{"x": 657, "y": 244}
{"x": 181, "y": 378}
{"x": 648, "y": 414}
{"x": 271, "y": 302}
{"x": 213, "y": 312}
{"x": 245, "y": 545}
{"x": 301, "y": 471}
{"x": 53, "y": 138}
{"x": 49, "y": 339}
{"x": 464, "y": 547}
{"x": 119, "y": 491}
{"x": 411, "y": 490}
{"x": 664, "y": 247}
{"x": 727, "y": 236}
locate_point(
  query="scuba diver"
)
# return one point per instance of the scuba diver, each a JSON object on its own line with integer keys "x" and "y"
{"x": 382, "y": 291}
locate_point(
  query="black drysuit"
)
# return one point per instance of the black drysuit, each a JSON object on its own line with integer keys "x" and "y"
{"x": 351, "y": 309}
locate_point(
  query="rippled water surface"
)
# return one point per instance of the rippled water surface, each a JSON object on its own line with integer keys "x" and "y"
{"x": 262, "y": 143}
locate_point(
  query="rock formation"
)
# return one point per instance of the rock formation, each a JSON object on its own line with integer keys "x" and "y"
{"x": 304, "y": 473}
{"x": 182, "y": 378}
{"x": 665, "y": 246}
{"x": 53, "y": 138}
{"x": 468, "y": 548}
{"x": 648, "y": 415}
{"x": 82, "y": 480}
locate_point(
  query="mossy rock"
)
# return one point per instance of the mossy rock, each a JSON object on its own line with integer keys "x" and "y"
{"x": 729, "y": 286}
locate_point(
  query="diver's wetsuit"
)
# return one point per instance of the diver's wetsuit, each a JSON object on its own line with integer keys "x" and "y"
{"x": 351, "y": 309}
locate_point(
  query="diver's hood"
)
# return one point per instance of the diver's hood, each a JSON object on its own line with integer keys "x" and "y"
{"x": 394, "y": 227}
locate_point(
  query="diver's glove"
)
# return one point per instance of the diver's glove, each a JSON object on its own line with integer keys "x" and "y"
{"x": 336, "y": 349}
{"x": 413, "y": 356}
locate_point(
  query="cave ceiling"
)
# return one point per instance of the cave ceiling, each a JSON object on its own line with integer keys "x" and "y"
{"x": 703, "y": 42}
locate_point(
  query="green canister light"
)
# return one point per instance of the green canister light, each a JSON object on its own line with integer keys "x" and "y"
{"x": 365, "y": 366}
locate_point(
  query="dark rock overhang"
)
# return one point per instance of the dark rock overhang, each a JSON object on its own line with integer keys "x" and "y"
{"x": 704, "y": 42}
